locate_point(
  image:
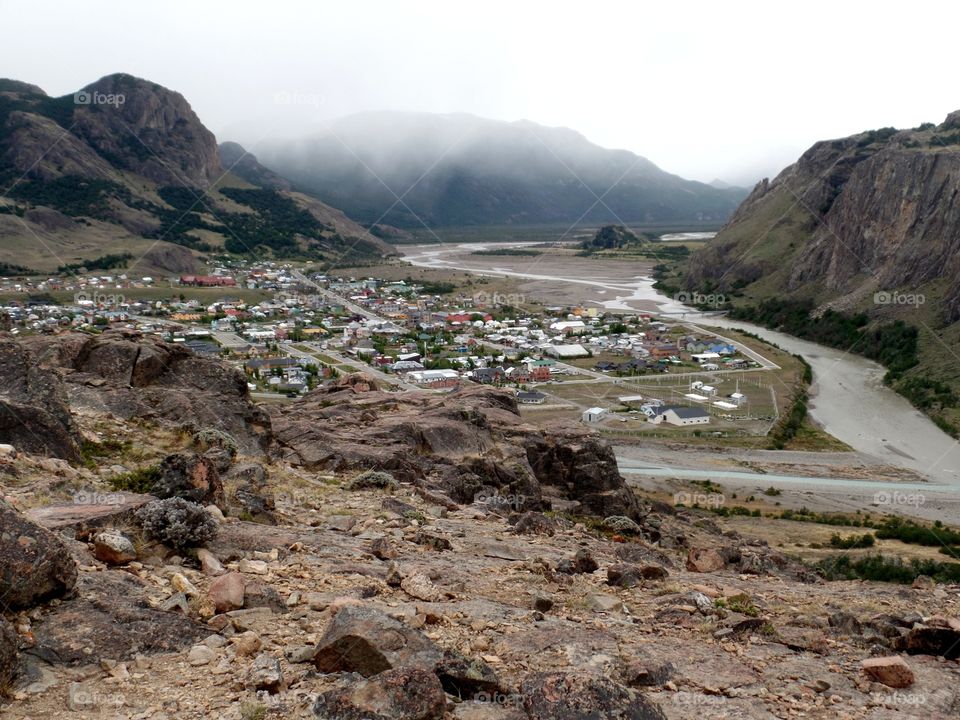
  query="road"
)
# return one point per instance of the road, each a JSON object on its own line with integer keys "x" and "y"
{"x": 334, "y": 298}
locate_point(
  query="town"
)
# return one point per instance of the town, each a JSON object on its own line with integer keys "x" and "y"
{"x": 289, "y": 330}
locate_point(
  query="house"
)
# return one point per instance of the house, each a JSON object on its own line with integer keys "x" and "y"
{"x": 530, "y": 397}
{"x": 680, "y": 415}
{"x": 434, "y": 378}
{"x": 705, "y": 357}
{"x": 594, "y": 414}
{"x": 569, "y": 327}
{"x": 489, "y": 376}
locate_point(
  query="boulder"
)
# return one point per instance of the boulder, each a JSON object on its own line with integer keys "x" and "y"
{"x": 937, "y": 640}
{"x": 400, "y": 694}
{"x": 34, "y": 564}
{"x": 113, "y": 548}
{"x": 190, "y": 476}
{"x": 704, "y": 560}
{"x": 364, "y": 640}
{"x": 8, "y": 653}
{"x": 578, "y": 695}
{"x": 227, "y": 592}
{"x": 892, "y": 671}
{"x": 265, "y": 674}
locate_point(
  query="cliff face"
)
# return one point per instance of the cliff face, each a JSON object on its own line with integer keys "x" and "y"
{"x": 876, "y": 211}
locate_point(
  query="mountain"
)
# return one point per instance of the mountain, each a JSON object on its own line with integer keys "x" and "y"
{"x": 410, "y": 169}
{"x": 125, "y": 166}
{"x": 854, "y": 244}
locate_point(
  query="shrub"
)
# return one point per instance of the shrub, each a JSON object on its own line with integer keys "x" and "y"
{"x": 141, "y": 480}
{"x": 370, "y": 479}
{"x": 177, "y": 522}
{"x": 212, "y": 438}
{"x": 853, "y": 541}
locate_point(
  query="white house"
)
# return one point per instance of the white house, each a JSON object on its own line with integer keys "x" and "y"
{"x": 679, "y": 415}
{"x": 705, "y": 357}
{"x": 594, "y": 414}
{"x": 565, "y": 352}
{"x": 569, "y": 327}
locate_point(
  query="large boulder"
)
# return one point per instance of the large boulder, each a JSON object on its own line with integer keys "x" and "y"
{"x": 190, "y": 476}
{"x": 574, "y": 696}
{"x": 367, "y": 641}
{"x": 401, "y": 694}
{"x": 34, "y": 564}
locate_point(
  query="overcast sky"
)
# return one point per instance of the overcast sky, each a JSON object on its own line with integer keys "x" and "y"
{"x": 734, "y": 90}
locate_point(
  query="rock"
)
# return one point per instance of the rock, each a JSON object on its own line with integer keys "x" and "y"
{"x": 180, "y": 583}
{"x": 253, "y": 474}
{"x": 421, "y": 587}
{"x": 644, "y": 673}
{"x": 400, "y": 694}
{"x": 201, "y": 655}
{"x": 582, "y": 562}
{"x": 265, "y": 674}
{"x": 624, "y": 575}
{"x": 464, "y": 677}
{"x": 8, "y": 653}
{"x": 364, "y": 640}
{"x": 845, "y": 623}
{"x": 261, "y": 595}
{"x": 598, "y": 602}
{"x": 931, "y": 640}
{"x": 621, "y": 525}
{"x": 575, "y": 696}
{"x": 227, "y": 592}
{"x": 254, "y": 567}
{"x": 113, "y": 548}
{"x": 209, "y": 563}
{"x": 246, "y": 643}
{"x": 892, "y": 671}
{"x": 704, "y": 560}
{"x": 190, "y": 476}
{"x": 434, "y": 542}
{"x": 7, "y": 451}
{"x": 924, "y": 582}
{"x": 542, "y": 603}
{"x": 253, "y": 505}
{"x": 34, "y": 564}
{"x": 383, "y": 549}
{"x": 534, "y": 523}
{"x": 299, "y": 654}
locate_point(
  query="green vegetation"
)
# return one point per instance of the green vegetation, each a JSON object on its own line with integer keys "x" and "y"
{"x": 71, "y": 194}
{"x": 104, "y": 262}
{"x": 852, "y": 541}
{"x": 880, "y": 568}
{"x": 791, "y": 422}
{"x": 141, "y": 480}
{"x": 909, "y": 531}
{"x": 518, "y": 252}
{"x": 434, "y": 287}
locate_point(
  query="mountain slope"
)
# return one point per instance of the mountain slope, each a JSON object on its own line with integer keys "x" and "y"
{"x": 126, "y": 166}
{"x": 860, "y": 233}
{"x": 411, "y": 168}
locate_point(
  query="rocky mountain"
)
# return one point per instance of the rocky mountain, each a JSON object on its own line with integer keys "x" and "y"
{"x": 447, "y": 561}
{"x": 457, "y": 169}
{"x": 875, "y": 212}
{"x": 125, "y": 165}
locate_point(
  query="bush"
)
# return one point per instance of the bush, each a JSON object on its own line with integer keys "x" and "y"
{"x": 370, "y": 479}
{"x": 177, "y": 522}
{"x": 853, "y": 541}
{"x": 212, "y": 438}
{"x": 141, "y": 480}
{"x": 885, "y": 569}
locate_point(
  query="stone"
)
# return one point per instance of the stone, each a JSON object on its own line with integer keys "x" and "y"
{"x": 191, "y": 476}
{"x": 399, "y": 694}
{"x": 209, "y": 564}
{"x": 542, "y": 603}
{"x": 383, "y": 549}
{"x": 254, "y": 567}
{"x": 35, "y": 565}
{"x": 893, "y": 671}
{"x": 647, "y": 673}
{"x": 367, "y": 641}
{"x": 299, "y": 654}
{"x": 180, "y": 583}
{"x": 113, "y": 548}
{"x": 923, "y": 582}
{"x": 621, "y": 525}
{"x": 201, "y": 655}
{"x": 246, "y": 643}
{"x": 265, "y": 674}
{"x": 261, "y": 595}
{"x": 534, "y": 523}
{"x": 582, "y": 562}
{"x": 623, "y": 575}
{"x": 227, "y": 592}
{"x": 578, "y": 695}
{"x": 8, "y": 653}
{"x": 421, "y": 587}
{"x": 931, "y": 640}
{"x": 598, "y": 602}
{"x": 704, "y": 560}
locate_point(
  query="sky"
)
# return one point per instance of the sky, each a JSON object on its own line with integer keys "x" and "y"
{"x": 732, "y": 90}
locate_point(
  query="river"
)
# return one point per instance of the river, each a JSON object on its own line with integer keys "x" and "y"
{"x": 848, "y": 397}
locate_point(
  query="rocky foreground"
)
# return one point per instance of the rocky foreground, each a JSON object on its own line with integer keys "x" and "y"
{"x": 377, "y": 555}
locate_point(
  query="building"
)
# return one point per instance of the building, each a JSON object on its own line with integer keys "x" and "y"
{"x": 567, "y": 352}
{"x": 208, "y": 280}
{"x": 434, "y": 378}
{"x": 531, "y": 398}
{"x": 594, "y": 414}
{"x": 680, "y": 415}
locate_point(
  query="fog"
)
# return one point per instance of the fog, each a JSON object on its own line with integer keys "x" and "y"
{"x": 703, "y": 89}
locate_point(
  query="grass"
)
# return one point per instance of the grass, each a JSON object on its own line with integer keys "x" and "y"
{"x": 141, "y": 480}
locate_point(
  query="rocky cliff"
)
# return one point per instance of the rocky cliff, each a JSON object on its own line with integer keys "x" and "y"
{"x": 873, "y": 212}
